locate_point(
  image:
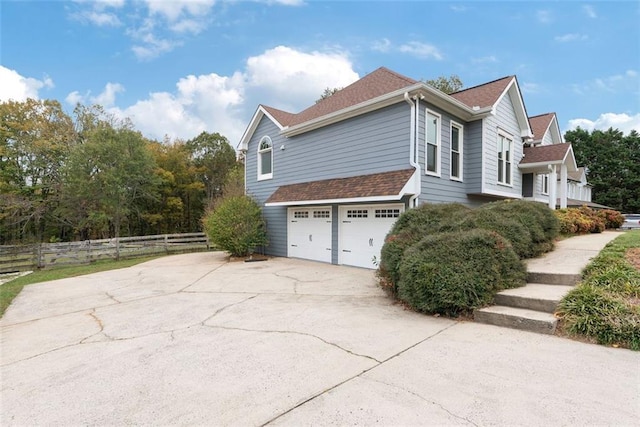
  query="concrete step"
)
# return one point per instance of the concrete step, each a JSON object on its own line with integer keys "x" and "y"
{"x": 517, "y": 318}
{"x": 553, "y": 278}
{"x": 533, "y": 296}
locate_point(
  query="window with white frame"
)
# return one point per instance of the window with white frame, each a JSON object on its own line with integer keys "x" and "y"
{"x": 433, "y": 144}
{"x": 545, "y": 184}
{"x": 265, "y": 158}
{"x": 456, "y": 151}
{"x": 505, "y": 154}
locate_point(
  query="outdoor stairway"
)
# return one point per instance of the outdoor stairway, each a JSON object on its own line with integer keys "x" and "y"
{"x": 530, "y": 307}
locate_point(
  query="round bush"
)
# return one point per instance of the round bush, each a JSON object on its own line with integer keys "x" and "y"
{"x": 508, "y": 228}
{"x": 411, "y": 227}
{"x": 451, "y": 273}
{"x": 236, "y": 226}
{"x": 537, "y": 218}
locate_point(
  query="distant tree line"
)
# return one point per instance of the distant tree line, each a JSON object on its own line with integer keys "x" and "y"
{"x": 90, "y": 175}
{"x": 613, "y": 161}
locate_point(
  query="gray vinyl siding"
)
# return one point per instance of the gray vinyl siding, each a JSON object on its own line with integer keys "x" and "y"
{"x": 443, "y": 189}
{"x": 547, "y": 140}
{"x": 505, "y": 120}
{"x": 473, "y": 157}
{"x": 367, "y": 144}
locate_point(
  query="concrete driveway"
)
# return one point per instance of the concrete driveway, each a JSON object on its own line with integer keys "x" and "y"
{"x": 195, "y": 340}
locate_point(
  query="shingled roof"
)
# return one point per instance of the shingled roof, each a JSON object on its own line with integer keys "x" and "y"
{"x": 484, "y": 95}
{"x": 282, "y": 117}
{"x": 374, "y": 84}
{"x": 374, "y": 185}
{"x": 539, "y": 124}
{"x": 545, "y": 153}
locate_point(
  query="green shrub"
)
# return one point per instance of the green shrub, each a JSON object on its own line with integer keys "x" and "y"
{"x": 451, "y": 273}
{"x": 543, "y": 226}
{"x": 236, "y": 226}
{"x": 411, "y": 227}
{"x": 485, "y": 219}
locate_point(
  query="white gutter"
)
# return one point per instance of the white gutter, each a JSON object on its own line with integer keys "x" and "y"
{"x": 413, "y": 200}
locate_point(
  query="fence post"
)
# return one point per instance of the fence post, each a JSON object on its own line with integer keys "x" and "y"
{"x": 40, "y": 263}
{"x": 166, "y": 243}
{"x": 117, "y": 248}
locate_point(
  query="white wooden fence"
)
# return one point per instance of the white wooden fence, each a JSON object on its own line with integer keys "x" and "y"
{"x": 43, "y": 255}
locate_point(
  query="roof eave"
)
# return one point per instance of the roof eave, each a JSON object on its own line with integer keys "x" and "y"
{"x": 253, "y": 124}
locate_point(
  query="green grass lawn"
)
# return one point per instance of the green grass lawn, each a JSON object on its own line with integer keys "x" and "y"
{"x": 11, "y": 289}
{"x": 605, "y": 306}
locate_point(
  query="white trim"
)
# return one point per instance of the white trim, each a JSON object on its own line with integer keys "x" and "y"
{"x": 264, "y": 176}
{"x": 545, "y": 177}
{"x": 501, "y": 194}
{"x": 253, "y": 124}
{"x": 334, "y": 201}
{"x": 435, "y": 97}
{"x": 506, "y": 135}
{"x": 460, "y": 128}
{"x": 438, "y": 171}
{"x": 521, "y": 112}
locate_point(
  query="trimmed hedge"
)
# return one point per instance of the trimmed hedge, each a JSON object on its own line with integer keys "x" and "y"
{"x": 411, "y": 227}
{"x": 452, "y": 273}
{"x": 586, "y": 220}
{"x": 537, "y": 218}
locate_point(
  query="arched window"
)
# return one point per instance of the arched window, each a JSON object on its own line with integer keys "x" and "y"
{"x": 265, "y": 158}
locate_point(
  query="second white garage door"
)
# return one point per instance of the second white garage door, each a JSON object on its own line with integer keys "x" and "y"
{"x": 362, "y": 232}
{"x": 309, "y": 233}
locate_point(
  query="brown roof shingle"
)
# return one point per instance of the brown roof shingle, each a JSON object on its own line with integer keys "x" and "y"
{"x": 539, "y": 124}
{"x": 374, "y": 84}
{"x": 484, "y": 95}
{"x": 379, "y": 184}
{"x": 282, "y": 117}
{"x": 545, "y": 153}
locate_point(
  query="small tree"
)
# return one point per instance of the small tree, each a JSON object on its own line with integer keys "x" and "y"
{"x": 447, "y": 85}
{"x": 236, "y": 226}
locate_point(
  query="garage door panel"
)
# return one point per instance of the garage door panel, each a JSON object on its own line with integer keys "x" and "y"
{"x": 362, "y": 232}
{"x": 309, "y": 233}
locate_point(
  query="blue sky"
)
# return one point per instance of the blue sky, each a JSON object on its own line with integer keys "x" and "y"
{"x": 178, "y": 67}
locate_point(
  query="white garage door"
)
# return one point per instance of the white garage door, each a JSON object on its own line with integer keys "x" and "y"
{"x": 362, "y": 232}
{"x": 309, "y": 233}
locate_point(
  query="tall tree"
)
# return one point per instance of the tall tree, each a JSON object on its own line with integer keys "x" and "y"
{"x": 108, "y": 176}
{"x": 35, "y": 138}
{"x": 214, "y": 157}
{"x": 613, "y": 161}
{"x": 445, "y": 84}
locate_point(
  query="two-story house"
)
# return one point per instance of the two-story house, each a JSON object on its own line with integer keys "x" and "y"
{"x": 334, "y": 177}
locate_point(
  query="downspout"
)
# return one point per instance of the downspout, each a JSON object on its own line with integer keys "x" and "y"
{"x": 416, "y": 150}
{"x": 413, "y": 200}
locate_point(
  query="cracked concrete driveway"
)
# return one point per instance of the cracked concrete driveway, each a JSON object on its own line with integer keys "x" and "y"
{"x": 194, "y": 340}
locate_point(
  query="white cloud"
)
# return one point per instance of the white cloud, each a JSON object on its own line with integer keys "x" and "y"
{"x": 294, "y": 79}
{"x": 16, "y": 87}
{"x": 174, "y": 9}
{"x": 485, "y": 59}
{"x": 421, "y": 50}
{"x": 155, "y": 26}
{"x": 571, "y": 37}
{"x": 589, "y": 11}
{"x": 544, "y": 16}
{"x": 530, "y": 88}
{"x": 458, "y": 8}
{"x": 628, "y": 81}
{"x": 282, "y": 77}
{"x": 383, "y": 45}
{"x": 623, "y": 122}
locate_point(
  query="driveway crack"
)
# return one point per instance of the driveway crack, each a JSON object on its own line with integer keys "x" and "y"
{"x": 421, "y": 398}
{"x": 297, "y": 333}
{"x": 202, "y": 277}
{"x": 220, "y": 310}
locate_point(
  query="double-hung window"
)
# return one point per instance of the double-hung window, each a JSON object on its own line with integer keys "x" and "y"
{"x": 545, "y": 184}
{"x": 265, "y": 159}
{"x": 433, "y": 144}
{"x": 505, "y": 154}
{"x": 456, "y": 151}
